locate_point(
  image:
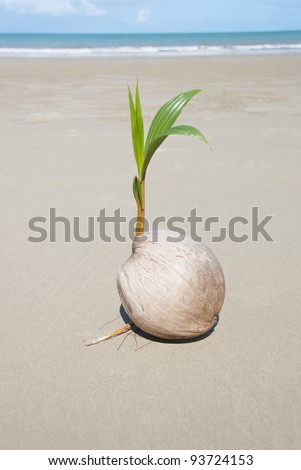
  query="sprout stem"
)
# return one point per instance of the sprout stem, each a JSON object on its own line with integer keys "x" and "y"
{"x": 139, "y": 229}
{"x": 125, "y": 328}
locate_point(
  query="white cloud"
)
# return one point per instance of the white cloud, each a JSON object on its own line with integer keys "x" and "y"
{"x": 53, "y": 7}
{"x": 89, "y": 8}
{"x": 143, "y": 15}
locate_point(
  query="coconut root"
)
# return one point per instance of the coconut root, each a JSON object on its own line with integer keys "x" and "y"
{"x": 118, "y": 332}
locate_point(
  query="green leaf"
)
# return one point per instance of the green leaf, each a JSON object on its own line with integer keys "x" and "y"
{"x": 137, "y": 129}
{"x": 183, "y": 130}
{"x": 137, "y": 191}
{"x": 163, "y": 121}
{"x": 140, "y": 129}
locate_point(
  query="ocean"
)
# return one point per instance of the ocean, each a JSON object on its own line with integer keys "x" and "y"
{"x": 152, "y": 45}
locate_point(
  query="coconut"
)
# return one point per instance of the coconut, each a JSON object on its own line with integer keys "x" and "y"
{"x": 171, "y": 289}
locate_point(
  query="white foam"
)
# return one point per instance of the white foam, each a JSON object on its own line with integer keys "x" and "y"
{"x": 262, "y": 47}
{"x": 151, "y": 51}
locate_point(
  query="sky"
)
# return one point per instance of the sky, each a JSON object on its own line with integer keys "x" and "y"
{"x": 148, "y": 16}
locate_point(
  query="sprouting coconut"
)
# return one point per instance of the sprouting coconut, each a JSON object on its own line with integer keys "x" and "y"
{"x": 168, "y": 289}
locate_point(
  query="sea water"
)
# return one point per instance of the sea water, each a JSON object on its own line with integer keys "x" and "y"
{"x": 153, "y": 45}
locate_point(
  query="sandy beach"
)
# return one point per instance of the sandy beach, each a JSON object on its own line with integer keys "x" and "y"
{"x": 66, "y": 144}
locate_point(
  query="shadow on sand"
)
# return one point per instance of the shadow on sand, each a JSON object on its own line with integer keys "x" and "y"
{"x": 141, "y": 333}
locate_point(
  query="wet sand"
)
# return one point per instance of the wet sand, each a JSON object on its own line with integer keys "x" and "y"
{"x": 66, "y": 144}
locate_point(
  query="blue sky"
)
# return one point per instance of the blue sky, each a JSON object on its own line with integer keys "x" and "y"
{"x": 135, "y": 16}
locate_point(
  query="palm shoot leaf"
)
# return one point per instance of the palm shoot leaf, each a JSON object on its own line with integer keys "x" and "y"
{"x": 137, "y": 128}
{"x": 162, "y": 122}
{"x": 183, "y": 130}
{"x": 137, "y": 192}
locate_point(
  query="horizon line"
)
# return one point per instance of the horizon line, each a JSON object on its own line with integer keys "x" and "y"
{"x": 153, "y": 33}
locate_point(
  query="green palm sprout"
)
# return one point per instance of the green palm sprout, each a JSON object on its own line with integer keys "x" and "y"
{"x": 160, "y": 129}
